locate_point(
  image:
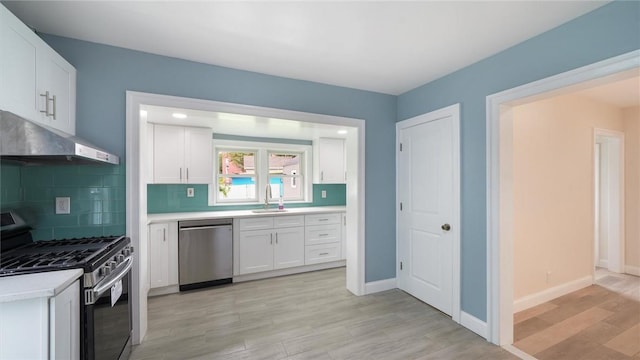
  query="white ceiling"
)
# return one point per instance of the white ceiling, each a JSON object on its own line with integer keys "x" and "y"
{"x": 624, "y": 93}
{"x": 383, "y": 46}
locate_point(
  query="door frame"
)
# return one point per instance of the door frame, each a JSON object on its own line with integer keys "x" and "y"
{"x": 452, "y": 111}
{"x": 499, "y": 158}
{"x": 136, "y": 191}
{"x": 616, "y": 249}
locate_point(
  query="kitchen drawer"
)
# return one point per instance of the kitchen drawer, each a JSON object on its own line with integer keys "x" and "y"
{"x": 258, "y": 223}
{"x": 322, "y": 219}
{"x": 315, "y": 254}
{"x": 320, "y": 234}
{"x": 281, "y": 221}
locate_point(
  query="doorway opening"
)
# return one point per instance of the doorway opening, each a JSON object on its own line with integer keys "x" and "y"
{"x": 609, "y": 200}
{"x": 500, "y": 262}
{"x": 136, "y": 168}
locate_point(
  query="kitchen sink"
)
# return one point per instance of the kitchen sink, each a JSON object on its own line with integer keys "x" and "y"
{"x": 258, "y": 211}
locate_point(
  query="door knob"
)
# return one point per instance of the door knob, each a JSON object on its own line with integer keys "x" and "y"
{"x": 446, "y": 227}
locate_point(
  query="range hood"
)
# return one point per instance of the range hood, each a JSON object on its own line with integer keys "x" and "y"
{"x": 30, "y": 143}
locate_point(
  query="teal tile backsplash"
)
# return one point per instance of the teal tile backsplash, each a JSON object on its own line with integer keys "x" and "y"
{"x": 170, "y": 198}
{"x": 97, "y": 195}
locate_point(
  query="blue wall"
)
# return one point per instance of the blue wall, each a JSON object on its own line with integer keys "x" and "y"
{"x": 606, "y": 32}
{"x": 106, "y": 72}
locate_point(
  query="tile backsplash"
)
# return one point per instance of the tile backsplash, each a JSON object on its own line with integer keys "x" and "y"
{"x": 97, "y": 195}
{"x": 172, "y": 198}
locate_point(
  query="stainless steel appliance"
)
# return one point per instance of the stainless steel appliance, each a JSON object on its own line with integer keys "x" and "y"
{"x": 27, "y": 142}
{"x": 205, "y": 253}
{"x": 105, "y": 310}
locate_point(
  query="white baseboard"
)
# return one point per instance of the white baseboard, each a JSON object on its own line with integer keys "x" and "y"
{"x": 380, "y": 285}
{"x": 543, "y": 296}
{"x": 632, "y": 270}
{"x": 474, "y": 324}
{"x": 517, "y": 352}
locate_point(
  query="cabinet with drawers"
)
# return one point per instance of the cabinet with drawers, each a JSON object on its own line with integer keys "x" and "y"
{"x": 323, "y": 238}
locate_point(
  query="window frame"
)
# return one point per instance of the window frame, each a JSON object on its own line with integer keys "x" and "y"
{"x": 262, "y": 151}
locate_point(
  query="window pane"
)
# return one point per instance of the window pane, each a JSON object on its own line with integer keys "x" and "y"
{"x": 236, "y": 163}
{"x": 285, "y": 164}
{"x": 236, "y": 188}
{"x": 289, "y": 187}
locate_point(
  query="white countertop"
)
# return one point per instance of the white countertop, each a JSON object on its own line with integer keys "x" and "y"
{"x": 31, "y": 286}
{"x": 156, "y": 218}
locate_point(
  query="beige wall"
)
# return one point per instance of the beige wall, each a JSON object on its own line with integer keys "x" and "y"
{"x": 553, "y": 189}
{"x": 631, "y": 121}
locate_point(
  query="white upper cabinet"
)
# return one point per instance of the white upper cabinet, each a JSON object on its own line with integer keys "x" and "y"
{"x": 182, "y": 155}
{"x": 35, "y": 81}
{"x": 330, "y": 161}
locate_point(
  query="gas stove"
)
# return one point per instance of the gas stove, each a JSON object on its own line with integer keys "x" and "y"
{"x": 97, "y": 256}
{"x": 106, "y": 284}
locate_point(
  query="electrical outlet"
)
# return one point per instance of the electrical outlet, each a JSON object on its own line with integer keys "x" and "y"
{"x": 63, "y": 205}
{"x": 190, "y": 192}
{"x": 324, "y": 194}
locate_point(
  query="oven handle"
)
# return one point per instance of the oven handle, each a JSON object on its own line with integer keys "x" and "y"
{"x": 101, "y": 289}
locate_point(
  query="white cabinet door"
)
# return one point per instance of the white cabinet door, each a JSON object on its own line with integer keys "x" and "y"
{"x": 168, "y": 154}
{"x": 35, "y": 81}
{"x": 331, "y": 161}
{"x": 64, "y": 322}
{"x": 256, "y": 251}
{"x": 289, "y": 247}
{"x": 159, "y": 255}
{"x": 18, "y": 58}
{"x": 182, "y": 155}
{"x": 198, "y": 156}
{"x": 57, "y": 77}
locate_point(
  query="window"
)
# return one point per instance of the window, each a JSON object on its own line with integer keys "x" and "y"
{"x": 236, "y": 176}
{"x": 243, "y": 170}
{"x": 284, "y": 175}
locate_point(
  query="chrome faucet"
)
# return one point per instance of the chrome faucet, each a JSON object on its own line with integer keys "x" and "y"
{"x": 267, "y": 195}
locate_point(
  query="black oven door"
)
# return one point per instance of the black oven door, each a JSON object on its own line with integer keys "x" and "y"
{"x": 108, "y": 318}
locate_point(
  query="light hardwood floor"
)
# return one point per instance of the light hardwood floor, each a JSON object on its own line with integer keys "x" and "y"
{"x": 304, "y": 316}
{"x": 601, "y": 321}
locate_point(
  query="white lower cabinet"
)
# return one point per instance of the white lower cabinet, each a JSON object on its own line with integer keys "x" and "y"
{"x": 163, "y": 254}
{"x": 42, "y": 327}
{"x": 270, "y": 243}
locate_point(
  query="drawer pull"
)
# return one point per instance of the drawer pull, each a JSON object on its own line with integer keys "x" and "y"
{"x": 323, "y": 219}
{"x": 323, "y": 234}
{"x": 324, "y": 254}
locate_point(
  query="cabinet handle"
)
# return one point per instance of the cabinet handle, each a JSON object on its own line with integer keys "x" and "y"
{"x": 345, "y": 176}
{"x": 324, "y": 254}
{"x": 323, "y": 234}
{"x": 271, "y": 236}
{"x": 180, "y": 174}
{"x": 323, "y": 219}
{"x": 321, "y": 176}
{"x": 187, "y": 174}
{"x": 54, "y": 107}
{"x": 276, "y": 238}
{"x": 164, "y": 234}
{"x": 46, "y": 103}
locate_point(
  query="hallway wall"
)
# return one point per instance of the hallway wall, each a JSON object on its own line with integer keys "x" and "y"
{"x": 553, "y": 189}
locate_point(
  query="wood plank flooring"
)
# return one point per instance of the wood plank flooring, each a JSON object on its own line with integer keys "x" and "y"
{"x": 601, "y": 321}
{"x": 304, "y": 316}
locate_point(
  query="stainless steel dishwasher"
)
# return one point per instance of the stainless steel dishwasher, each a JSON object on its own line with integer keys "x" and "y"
{"x": 205, "y": 253}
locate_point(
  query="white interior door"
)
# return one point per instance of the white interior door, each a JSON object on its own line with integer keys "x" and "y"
{"x": 428, "y": 226}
